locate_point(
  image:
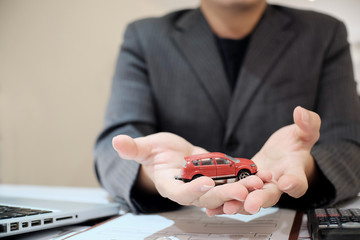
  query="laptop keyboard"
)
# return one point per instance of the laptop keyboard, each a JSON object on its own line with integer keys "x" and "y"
{"x": 13, "y": 212}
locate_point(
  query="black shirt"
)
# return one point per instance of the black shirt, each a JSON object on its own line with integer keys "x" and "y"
{"x": 232, "y": 52}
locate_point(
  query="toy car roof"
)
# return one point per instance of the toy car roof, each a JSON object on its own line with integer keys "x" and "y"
{"x": 205, "y": 155}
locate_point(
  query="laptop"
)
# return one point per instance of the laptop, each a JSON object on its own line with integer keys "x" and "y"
{"x": 22, "y": 215}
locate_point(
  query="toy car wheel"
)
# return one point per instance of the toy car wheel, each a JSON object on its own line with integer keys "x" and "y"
{"x": 243, "y": 174}
{"x": 196, "y": 176}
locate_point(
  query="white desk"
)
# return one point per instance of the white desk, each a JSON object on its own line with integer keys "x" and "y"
{"x": 96, "y": 195}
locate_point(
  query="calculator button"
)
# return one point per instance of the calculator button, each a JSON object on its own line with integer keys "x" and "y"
{"x": 319, "y": 212}
{"x": 351, "y": 225}
{"x": 332, "y": 212}
{"x": 355, "y": 211}
{"x": 345, "y": 212}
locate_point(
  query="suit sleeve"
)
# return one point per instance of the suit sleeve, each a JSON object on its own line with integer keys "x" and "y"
{"x": 337, "y": 153}
{"x": 130, "y": 111}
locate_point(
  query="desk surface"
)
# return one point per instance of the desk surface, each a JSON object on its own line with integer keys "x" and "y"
{"x": 95, "y": 195}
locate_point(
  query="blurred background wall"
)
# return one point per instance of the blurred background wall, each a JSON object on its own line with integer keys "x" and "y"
{"x": 57, "y": 58}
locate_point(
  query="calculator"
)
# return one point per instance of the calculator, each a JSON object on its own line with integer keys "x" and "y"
{"x": 334, "y": 223}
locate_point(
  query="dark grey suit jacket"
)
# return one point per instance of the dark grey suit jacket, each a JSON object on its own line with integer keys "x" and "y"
{"x": 170, "y": 77}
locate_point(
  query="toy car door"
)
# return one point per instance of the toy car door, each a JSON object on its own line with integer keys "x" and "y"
{"x": 224, "y": 168}
{"x": 207, "y": 167}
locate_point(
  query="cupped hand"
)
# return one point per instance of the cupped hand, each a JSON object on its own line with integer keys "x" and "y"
{"x": 161, "y": 156}
{"x": 286, "y": 155}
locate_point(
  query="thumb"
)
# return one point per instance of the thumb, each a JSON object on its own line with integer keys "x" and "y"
{"x": 132, "y": 149}
{"x": 307, "y": 125}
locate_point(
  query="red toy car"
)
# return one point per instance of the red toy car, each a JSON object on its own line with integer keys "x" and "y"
{"x": 217, "y": 166}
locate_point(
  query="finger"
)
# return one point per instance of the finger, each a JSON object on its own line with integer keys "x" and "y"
{"x": 293, "y": 185}
{"x": 132, "y": 149}
{"x": 186, "y": 193}
{"x": 216, "y": 211}
{"x": 266, "y": 197}
{"x": 231, "y": 207}
{"x": 235, "y": 206}
{"x": 308, "y": 125}
{"x": 220, "y": 194}
{"x": 233, "y": 191}
{"x": 265, "y": 175}
{"x": 252, "y": 182}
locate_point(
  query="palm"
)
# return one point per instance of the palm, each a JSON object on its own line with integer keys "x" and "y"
{"x": 167, "y": 156}
{"x": 161, "y": 156}
{"x": 282, "y": 151}
{"x": 287, "y": 156}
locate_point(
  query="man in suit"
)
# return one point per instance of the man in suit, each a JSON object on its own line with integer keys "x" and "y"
{"x": 228, "y": 77}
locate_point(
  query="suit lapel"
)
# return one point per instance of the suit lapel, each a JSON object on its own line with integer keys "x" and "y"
{"x": 267, "y": 42}
{"x": 196, "y": 41}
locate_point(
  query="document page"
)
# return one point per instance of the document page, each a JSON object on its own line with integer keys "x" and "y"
{"x": 193, "y": 224}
